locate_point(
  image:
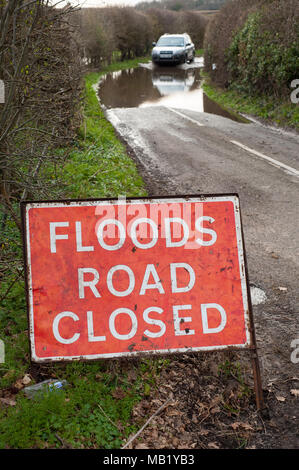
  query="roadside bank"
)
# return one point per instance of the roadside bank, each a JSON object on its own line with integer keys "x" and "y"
{"x": 266, "y": 109}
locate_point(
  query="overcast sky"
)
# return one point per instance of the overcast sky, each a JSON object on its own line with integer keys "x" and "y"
{"x": 101, "y": 3}
{"x": 97, "y": 3}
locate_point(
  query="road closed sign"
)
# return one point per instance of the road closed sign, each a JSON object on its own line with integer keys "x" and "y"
{"x": 111, "y": 278}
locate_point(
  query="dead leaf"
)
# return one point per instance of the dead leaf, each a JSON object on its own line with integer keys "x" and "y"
{"x": 157, "y": 402}
{"x": 235, "y": 425}
{"x": 203, "y": 432}
{"x": 239, "y": 424}
{"x": 174, "y": 403}
{"x": 295, "y": 392}
{"x": 141, "y": 446}
{"x": 154, "y": 434}
{"x": 8, "y": 401}
{"x": 213, "y": 445}
{"x": 19, "y": 384}
{"x": 118, "y": 393}
{"x": 8, "y": 374}
{"x": 214, "y": 367}
{"x": 216, "y": 409}
{"x": 247, "y": 426}
{"x": 216, "y": 400}
{"x": 280, "y": 398}
{"x": 173, "y": 412}
{"x": 26, "y": 379}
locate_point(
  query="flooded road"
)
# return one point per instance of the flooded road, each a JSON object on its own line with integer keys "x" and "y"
{"x": 147, "y": 85}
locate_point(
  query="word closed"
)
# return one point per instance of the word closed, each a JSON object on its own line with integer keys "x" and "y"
{"x": 113, "y": 278}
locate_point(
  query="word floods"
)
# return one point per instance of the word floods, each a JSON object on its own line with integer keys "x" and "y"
{"x": 114, "y": 278}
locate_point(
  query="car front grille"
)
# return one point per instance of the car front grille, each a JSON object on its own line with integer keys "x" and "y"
{"x": 166, "y": 54}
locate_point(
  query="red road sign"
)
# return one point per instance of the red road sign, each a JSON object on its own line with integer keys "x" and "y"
{"x": 110, "y": 278}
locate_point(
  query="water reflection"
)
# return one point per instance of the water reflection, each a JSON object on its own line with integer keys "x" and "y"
{"x": 173, "y": 80}
{"x": 127, "y": 88}
{"x": 161, "y": 86}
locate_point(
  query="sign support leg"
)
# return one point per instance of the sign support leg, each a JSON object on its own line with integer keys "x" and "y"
{"x": 253, "y": 348}
{"x": 255, "y": 362}
{"x": 257, "y": 380}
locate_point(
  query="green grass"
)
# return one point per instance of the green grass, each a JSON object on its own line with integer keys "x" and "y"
{"x": 85, "y": 415}
{"x": 95, "y": 409}
{"x": 269, "y": 109}
{"x": 199, "y": 52}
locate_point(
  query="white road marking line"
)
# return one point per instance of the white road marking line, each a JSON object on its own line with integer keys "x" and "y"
{"x": 270, "y": 160}
{"x": 273, "y": 162}
{"x": 184, "y": 116}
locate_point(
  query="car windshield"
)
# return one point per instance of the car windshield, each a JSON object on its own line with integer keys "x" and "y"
{"x": 171, "y": 41}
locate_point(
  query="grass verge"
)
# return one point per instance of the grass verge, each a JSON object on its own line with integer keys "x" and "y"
{"x": 266, "y": 108}
{"x": 199, "y": 52}
{"x": 95, "y": 409}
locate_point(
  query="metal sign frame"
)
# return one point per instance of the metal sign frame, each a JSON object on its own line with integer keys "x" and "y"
{"x": 251, "y": 342}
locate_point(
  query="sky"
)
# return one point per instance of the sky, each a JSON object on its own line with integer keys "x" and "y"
{"x": 101, "y": 3}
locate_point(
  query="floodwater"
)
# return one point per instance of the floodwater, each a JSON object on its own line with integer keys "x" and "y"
{"x": 147, "y": 85}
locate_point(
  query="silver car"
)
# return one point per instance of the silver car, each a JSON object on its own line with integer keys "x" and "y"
{"x": 174, "y": 49}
